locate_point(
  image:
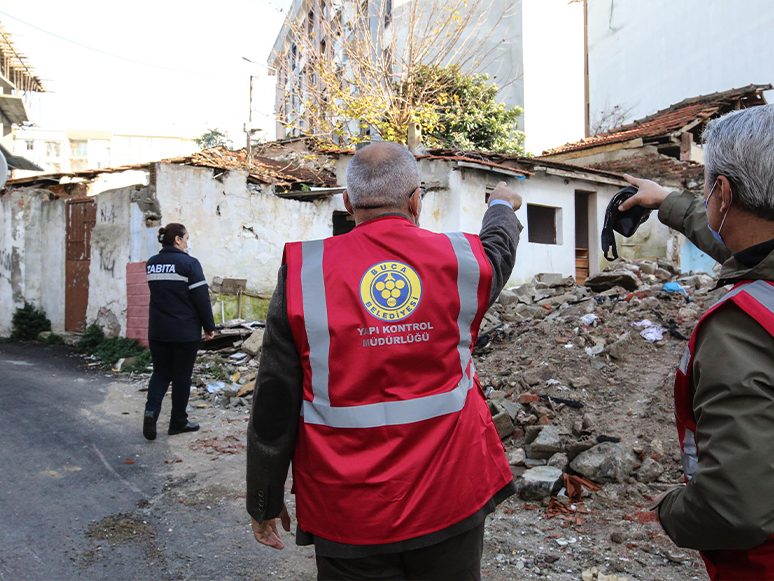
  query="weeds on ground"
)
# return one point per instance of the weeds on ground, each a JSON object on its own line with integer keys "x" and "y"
{"x": 115, "y": 348}
{"x": 144, "y": 361}
{"x": 91, "y": 339}
{"x": 53, "y": 339}
{"x": 28, "y": 322}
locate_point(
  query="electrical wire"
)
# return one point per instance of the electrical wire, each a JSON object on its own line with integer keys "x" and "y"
{"x": 97, "y": 50}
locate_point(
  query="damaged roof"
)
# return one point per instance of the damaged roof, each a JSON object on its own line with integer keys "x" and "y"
{"x": 262, "y": 170}
{"x": 674, "y": 120}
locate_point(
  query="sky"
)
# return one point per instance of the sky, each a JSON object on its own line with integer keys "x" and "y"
{"x": 189, "y": 74}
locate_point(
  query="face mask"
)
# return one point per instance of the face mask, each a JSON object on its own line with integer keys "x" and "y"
{"x": 188, "y": 247}
{"x": 715, "y": 234}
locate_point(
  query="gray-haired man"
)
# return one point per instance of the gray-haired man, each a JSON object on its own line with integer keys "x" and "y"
{"x": 366, "y": 381}
{"x": 724, "y": 389}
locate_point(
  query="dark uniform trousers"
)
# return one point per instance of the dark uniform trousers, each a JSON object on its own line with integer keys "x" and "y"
{"x": 455, "y": 559}
{"x": 172, "y": 363}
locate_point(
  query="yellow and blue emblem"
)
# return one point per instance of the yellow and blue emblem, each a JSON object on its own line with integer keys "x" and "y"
{"x": 390, "y": 290}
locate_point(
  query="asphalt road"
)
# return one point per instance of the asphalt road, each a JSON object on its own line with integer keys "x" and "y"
{"x": 71, "y": 507}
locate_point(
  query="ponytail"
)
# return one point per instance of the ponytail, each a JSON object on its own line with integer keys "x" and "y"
{"x": 168, "y": 233}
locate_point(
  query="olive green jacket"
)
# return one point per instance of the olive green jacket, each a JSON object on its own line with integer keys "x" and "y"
{"x": 729, "y": 502}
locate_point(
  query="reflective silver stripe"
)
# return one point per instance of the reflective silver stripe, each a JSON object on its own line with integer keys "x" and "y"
{"x": 391, "y": 413}
{"x": 468, "y": 274}
{"x": 762, "y": 292}
{"x": 196, "y": 284}
{"x": 685, "y": 361}
{"x": 689, "y": 454}
{"x": 316, "y": 317}
{"x": 167, "y": 276}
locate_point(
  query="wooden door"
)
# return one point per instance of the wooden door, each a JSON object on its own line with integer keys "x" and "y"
{"x": 81, "y": 217}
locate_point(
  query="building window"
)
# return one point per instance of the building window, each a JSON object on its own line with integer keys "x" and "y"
{"x": 79, "y": 148}
{"x": 541, "y": 224}
{"x": 29, "y": 144}
{"x": 53, "y": 148}
{"x": 342, "y": 223}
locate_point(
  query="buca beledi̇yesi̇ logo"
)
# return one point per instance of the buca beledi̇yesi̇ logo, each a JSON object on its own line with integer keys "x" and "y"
{"x": 390, "y": 290}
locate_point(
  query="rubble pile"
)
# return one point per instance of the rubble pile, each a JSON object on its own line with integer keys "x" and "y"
{"x": 579, "y": 381}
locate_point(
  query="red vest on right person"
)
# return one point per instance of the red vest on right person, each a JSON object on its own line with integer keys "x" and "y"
{"x": 396, "y": 440}
{"x": 756, "y": 298}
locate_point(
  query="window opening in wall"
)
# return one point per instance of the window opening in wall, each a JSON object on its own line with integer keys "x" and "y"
{"x": 79, "y": 148}
{"x": 342, "y": 223}
{"x": 29, "y": 144}
{"x": 541, "y": 224}
{"x": 53, "y": 149}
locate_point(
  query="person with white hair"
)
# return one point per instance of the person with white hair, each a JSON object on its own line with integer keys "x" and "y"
{"x": 724, "y": 388}
{"x": 367, "y": 382}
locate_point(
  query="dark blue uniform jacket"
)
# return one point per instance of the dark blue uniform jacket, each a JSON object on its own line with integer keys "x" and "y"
{"x": 180, "y": 301}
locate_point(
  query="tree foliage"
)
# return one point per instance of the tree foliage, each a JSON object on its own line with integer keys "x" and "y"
{"x": 462, "y": 111}
{"x": 212, "y": 138}
{"x": 350, "y": 73}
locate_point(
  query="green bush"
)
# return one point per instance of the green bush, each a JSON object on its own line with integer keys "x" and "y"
{"x": 28, "y": 322}
{"x": 54, "y": 339}
{"x": 91, "y": 339}
{"x": 115, "y": 348}
{"x": 144, "y": 361}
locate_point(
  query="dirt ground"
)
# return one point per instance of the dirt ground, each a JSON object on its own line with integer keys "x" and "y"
{"x": 625, "y": 391}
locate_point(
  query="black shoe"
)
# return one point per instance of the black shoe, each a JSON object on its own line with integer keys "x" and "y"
{"x": 149, "y": 426}
{"x": 188, "y": 427}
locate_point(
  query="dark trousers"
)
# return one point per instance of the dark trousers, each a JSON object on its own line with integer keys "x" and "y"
{"x": 172, "y": 363}
{"x": 455, "y": 559}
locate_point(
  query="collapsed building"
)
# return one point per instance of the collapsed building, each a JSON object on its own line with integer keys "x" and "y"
{"x": 75, "y": 244}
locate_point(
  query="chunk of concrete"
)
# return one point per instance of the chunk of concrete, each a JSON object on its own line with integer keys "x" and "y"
{"x": 605, "y": 462}
{"x": 540, "y": 482}
{"x": 649, "y": 471}
{"x": 252, "y": 345}
{"x": 507, "y": 298}
{"x": 607, "y": 280}
{"x": 547, "y": 443}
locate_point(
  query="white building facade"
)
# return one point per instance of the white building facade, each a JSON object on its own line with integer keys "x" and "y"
{"x": 644, "y": 56}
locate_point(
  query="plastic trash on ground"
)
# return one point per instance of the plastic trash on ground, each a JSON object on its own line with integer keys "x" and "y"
{"x": 652, "y": 332}
{"x": 674, "y": 287}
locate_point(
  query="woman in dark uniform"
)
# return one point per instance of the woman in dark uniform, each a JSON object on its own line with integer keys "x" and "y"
{"x": 179, "y": 308}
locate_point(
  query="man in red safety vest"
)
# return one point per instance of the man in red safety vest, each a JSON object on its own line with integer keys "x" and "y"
{"x": 367, "y": 382}
{"x": 724, "y": 389}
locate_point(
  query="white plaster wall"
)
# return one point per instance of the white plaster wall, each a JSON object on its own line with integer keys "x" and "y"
{"x": 236, "y": 232}
{"x": 110, "y": 252}
{"x": 53, "y": 228}
{"x": 11, "y": 258}
{"x": 32, "y": 231}
{"x": 649, "y": 55}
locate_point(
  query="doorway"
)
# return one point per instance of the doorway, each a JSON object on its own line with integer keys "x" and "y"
{"x": 81, "y": 217}
{"x": 583, "y": 228}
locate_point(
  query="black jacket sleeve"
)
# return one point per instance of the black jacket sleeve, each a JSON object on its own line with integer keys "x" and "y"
{"x": 499, "y": 235}
{"x": 200, "y": 296}
{"x": 273, "y": 427}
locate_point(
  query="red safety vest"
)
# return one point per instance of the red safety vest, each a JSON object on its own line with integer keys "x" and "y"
{"x": 396, "y": 439}
{"x": 757, "y": 300}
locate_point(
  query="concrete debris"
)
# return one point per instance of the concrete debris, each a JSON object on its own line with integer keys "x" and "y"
{"x": 547, "y": 443}
{"x": 507, "y": 298}
{"x": 540, "y": 482}
{"x": 559, "y": 460}
{"x": 252, "y": 345}
{"x": 606, "y": 462}
{"x": 608, "y": 280}
{"x": 518, "y": 457}
{"x": 649, "y": 471}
